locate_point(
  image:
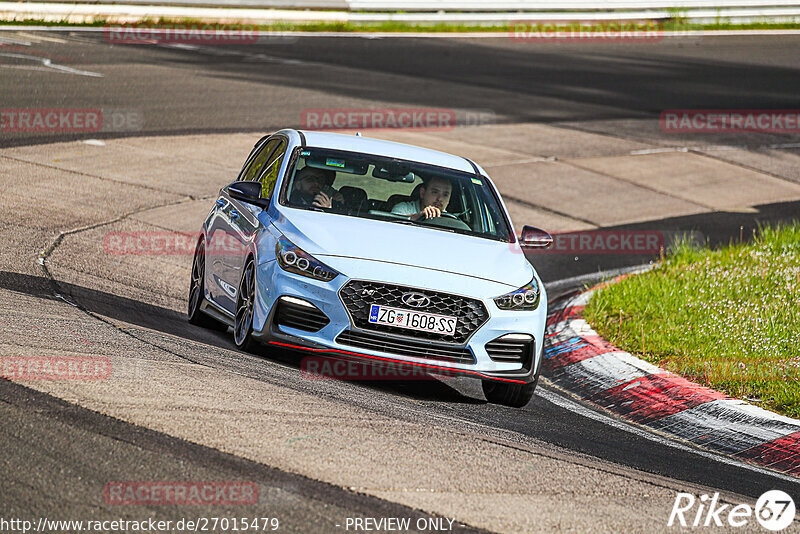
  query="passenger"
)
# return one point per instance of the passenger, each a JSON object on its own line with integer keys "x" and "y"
{"x": 434, "y": 195}
{"x": 312, "y": 187}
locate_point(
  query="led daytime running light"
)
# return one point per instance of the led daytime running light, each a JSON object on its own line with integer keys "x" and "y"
{"x": 295, "y": 260}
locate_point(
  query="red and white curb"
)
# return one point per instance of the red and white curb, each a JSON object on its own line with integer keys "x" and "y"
{"x": 580, "y": 361}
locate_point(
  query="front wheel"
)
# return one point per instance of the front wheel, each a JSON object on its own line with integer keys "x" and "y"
{"x": 245, "y": 308}
{"x": 508, "y": 394}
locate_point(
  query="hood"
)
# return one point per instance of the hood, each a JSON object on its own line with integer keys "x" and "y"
{"x": 326, "y": 234}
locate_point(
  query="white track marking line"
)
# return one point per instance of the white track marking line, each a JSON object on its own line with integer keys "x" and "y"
{"x": 573, "y": 406}
{"x": 8, "y": 40}
{"x": 646, "y": 151}
{"x": 25, "y": 67}
{"x": 70, "y": 70}
{"x": 181, "y": 46}
{"x": 46, "y": 62}
{"x": 38, "y": 38}
{"x": 708, "y": 148}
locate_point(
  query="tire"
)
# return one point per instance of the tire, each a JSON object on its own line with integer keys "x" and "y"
{"x": 196, "y": 292}
{"x": 245, "y": 308}
{"x": 514, "y": 395}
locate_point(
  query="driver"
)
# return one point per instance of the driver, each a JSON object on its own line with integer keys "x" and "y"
{"x": 312, "y": 187}
{"x": 434, "y": 195}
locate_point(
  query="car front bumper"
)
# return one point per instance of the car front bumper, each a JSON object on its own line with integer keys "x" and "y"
{"x": 274, "y": 283}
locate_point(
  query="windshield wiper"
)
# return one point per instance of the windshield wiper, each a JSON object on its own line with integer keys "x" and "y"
{"x": 312, "y": 208}
{"x": 421, "y": 223}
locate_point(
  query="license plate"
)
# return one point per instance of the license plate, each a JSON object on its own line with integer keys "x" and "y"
{"x": 413, "y": 320}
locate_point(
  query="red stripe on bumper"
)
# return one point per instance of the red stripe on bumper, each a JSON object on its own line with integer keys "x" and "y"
{"x": 392, "y": 360}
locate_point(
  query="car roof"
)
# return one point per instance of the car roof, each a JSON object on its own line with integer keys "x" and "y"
{"x": 378, "y": 147}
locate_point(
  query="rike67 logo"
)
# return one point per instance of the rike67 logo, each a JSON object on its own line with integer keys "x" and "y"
{"x": 774, "y": 510}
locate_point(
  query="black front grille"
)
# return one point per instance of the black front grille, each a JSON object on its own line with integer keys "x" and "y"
{"x": 358, "y": 295}
{"x": 303, "y": 317}
{"x": 511, "y": 350}
{"x": 406, "y": 347}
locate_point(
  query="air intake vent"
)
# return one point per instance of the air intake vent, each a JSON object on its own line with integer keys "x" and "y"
{"x": 299, "y": 314}
{"x": 512, "y": 348}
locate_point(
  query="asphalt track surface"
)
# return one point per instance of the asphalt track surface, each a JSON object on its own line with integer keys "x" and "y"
{"x": 264, "y": 87}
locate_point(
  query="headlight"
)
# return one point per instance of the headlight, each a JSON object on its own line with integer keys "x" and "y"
{"x": 524, "y": 298}
{"x": 295, "y": 260}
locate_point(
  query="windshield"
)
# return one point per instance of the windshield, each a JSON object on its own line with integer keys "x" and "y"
{"x": 389, "y": 189}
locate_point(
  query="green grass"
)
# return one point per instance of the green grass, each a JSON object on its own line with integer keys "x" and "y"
{"x": 676, "y": 24}
{"x": 726, "y": 318}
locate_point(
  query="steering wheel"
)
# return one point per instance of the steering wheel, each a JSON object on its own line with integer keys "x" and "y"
{"x": 447, "y": 220}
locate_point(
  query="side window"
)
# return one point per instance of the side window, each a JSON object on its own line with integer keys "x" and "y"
{"x": 269, "y": 173}
{"x": 253, "y": 168}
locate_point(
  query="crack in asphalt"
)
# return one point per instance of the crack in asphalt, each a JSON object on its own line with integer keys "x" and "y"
{"x": 58, "y": 293}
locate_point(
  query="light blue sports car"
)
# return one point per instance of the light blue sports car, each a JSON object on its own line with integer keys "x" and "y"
{"x": 357, "y": 248}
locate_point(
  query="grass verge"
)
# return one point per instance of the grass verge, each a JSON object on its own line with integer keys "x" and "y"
{"x": 402, "y": 27}
{"x": 726, "y": 318}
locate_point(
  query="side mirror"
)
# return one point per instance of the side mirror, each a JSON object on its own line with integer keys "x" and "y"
{"x": 249, "y": 192}
{"x": 533, "y": 237}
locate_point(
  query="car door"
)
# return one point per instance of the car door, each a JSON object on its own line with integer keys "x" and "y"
{"x": 221, "y": 275}
{"x": 244, "y": 217}
{"x": 243, "y": 222}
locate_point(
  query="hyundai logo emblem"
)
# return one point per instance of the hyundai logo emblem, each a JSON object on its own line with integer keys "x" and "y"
{"x": 415, "y": 300}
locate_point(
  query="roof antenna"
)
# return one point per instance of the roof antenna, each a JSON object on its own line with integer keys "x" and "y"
{"x": 358, "y": 134}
